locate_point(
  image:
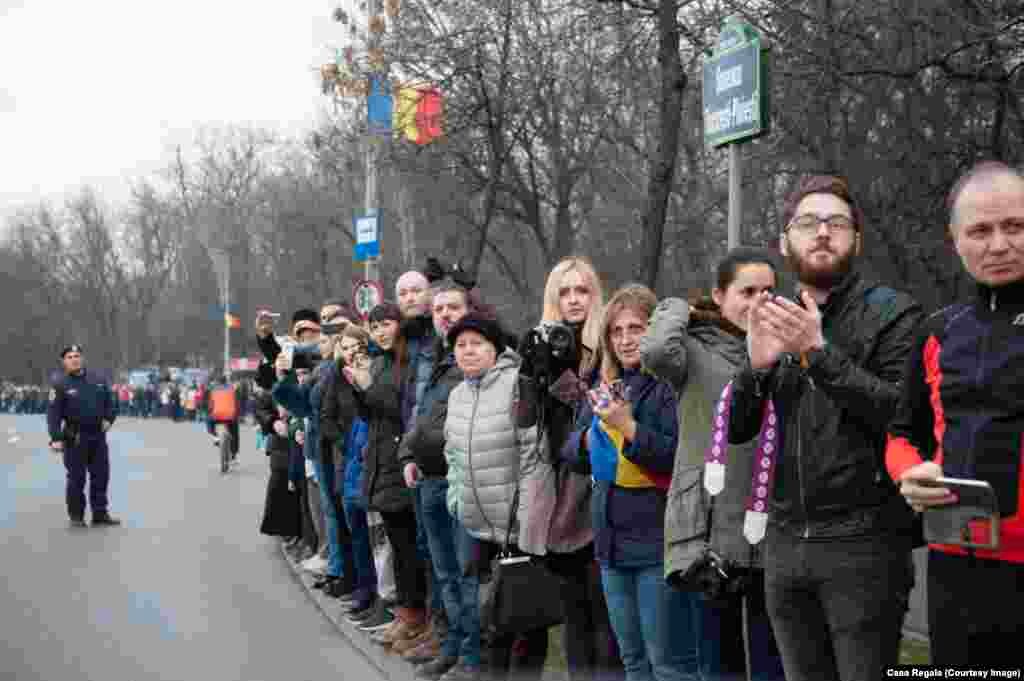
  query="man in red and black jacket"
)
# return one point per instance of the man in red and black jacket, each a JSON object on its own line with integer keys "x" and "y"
{"x": 962, "y": 416}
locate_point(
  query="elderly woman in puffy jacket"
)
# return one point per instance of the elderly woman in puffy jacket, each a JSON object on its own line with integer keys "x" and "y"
{"x": 698, "y": 348}
{"x": 488, "y": 454}
{"x": 626, "y": 438}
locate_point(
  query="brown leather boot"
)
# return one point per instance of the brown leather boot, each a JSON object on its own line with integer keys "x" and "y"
{"x": 424, "y": 652}
{"x": 401, "y": 646}
{"x": 387, "y": 636}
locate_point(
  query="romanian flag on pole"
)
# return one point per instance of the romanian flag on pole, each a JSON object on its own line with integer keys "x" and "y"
{"x": 231, "y": 321}
{"x": 418, "y": 113}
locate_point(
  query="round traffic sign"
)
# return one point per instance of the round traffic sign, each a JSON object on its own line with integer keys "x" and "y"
{"x": 366, "y": 296}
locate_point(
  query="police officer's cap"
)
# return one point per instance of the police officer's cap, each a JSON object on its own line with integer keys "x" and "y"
{"x": 71, "y": 348}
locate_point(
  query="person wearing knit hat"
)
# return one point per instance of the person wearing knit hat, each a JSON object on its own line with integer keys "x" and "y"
{"x": 412, "y": 292}
{"x": 489, "y": 328}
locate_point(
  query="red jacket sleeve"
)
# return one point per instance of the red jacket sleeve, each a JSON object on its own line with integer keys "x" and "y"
{"x": 915, "y": 433}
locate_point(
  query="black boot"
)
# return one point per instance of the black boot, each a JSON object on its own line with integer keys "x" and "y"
{"x": 77, "y": 524}
{"x": 104, "y": 518}
{"x": 340, "y": 587}
{"x": 324, "y": 581}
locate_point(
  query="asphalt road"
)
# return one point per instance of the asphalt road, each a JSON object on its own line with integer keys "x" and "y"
{"x": 186, "y": 589}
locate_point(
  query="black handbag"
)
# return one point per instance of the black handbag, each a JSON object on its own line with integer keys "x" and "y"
{"x": 524, "y": 595}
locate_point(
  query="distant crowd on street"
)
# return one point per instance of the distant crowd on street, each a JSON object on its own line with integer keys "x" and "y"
{"x": 23, "y": 399}
{"x": 176, "y": 401}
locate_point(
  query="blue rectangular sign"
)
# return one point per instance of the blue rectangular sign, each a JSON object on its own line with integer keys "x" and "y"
{"x": 367, "y": 237}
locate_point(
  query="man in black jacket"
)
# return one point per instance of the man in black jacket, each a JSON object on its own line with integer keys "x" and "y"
{"x": 425, "y": 469}
{"x": 838, "y": 570}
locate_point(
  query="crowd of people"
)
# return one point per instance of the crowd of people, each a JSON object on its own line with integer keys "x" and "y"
{"x": 722, "y": 487}
{"x": 713, "y": 488}
{"x": 166, "y": 399}
{"x": 23, "y": 399}
{"x": 174, "y": 400}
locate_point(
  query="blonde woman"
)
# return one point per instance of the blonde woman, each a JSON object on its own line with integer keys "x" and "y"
{"x": 559, "y": 508}
{"x": 626, "y": 438}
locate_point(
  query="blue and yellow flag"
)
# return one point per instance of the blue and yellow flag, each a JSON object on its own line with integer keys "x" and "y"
{"x": 608, "y": 463}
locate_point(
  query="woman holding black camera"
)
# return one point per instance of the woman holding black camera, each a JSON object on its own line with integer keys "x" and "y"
{"x": 698, "y": 348}
{"x": 573, "y": 298}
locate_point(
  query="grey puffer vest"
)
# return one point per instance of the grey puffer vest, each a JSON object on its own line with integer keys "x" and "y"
{"x": 487, "y": 453}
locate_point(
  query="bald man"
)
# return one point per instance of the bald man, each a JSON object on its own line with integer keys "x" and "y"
{"x": 962, "y": 416}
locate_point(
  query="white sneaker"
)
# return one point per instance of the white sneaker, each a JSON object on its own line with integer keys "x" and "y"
{"x": 315, "y": 564}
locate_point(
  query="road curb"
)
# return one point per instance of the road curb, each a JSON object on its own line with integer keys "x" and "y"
{"x": 390, "y": 666}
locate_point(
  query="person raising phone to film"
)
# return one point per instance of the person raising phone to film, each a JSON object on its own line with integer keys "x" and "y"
{"x": 962, "y": 416}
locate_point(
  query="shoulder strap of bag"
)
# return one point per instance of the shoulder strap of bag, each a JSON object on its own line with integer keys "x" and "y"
{"x": 513, "y": 509}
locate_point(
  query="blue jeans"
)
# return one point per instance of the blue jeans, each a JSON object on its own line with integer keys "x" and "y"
{"x": 423, "y": 548}
{"x": 325, "y": 484}
{"x": 468, "y": 592}
{"x": 463, "y": 637}
{"x": 657, "y": 627}
{"x": 365, "y": 578}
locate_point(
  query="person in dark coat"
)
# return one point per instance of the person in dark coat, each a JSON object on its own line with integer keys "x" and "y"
{"x": 341, "y": 425}
{"x": 380, "y": 405}
{"x": 282, "y": 511}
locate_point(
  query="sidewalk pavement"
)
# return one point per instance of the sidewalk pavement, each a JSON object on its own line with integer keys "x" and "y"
{"x": 390, "y": 666}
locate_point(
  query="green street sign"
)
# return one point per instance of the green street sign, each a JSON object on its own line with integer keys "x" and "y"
{"x": 736, "y": 87}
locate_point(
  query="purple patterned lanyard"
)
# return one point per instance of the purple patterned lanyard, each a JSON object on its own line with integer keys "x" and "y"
{"x": 755, "y": 521}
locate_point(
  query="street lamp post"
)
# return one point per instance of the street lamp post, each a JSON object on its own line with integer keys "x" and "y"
{"x": 222, "y": 264}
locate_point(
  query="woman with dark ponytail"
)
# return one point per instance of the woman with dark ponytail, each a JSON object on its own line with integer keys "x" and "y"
{"x": 697, "y": 347}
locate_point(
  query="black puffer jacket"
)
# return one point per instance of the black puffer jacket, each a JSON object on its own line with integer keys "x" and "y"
{"x": 831, "y": 481}
{"x": 381, "y": 407}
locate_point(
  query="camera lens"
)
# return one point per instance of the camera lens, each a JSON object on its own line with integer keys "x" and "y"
{"x": 560, "y": 340}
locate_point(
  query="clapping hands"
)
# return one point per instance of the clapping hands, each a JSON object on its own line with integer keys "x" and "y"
{"x": 777, "y": 326}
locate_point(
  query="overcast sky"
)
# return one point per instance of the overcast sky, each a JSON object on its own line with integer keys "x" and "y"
{"x": 99, "y": 92}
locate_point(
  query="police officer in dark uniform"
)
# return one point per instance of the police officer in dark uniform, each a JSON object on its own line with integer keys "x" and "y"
{"x": 80, "y": 413}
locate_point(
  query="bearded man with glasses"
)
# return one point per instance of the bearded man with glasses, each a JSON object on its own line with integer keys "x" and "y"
{"x": 837, "y": 536}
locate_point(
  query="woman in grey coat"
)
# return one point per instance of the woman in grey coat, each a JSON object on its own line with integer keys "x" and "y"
{"x": 698, "y": 348}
